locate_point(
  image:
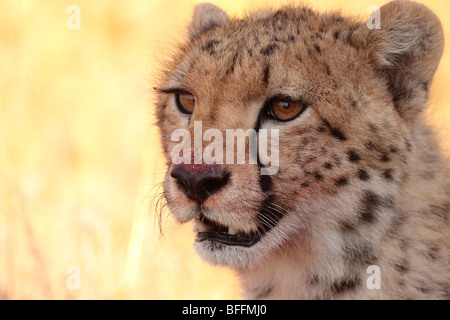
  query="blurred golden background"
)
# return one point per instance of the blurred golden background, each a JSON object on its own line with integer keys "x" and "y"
{"x": 80, "y": 160}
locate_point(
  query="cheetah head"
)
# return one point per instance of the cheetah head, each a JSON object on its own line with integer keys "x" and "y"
{"x": 342, "y": 99}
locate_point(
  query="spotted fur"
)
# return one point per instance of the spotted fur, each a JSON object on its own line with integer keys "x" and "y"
{"x": 361, "y": 179}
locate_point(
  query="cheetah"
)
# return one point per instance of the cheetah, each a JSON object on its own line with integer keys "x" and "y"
{"x": 361, "y": 181}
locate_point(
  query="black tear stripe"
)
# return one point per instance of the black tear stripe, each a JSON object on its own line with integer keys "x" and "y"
{"x": 265, "y": 181}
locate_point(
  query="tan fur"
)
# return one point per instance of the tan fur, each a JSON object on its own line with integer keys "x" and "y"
{"x": 361, "y": 179}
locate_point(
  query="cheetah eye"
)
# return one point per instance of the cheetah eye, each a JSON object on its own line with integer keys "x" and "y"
{"x": 185, "y": 102}
{"x": 283, "y": 109}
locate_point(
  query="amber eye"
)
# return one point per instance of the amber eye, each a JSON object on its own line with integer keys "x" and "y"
{"x": 284, "y": 110}
{"x": 185, "y": 102}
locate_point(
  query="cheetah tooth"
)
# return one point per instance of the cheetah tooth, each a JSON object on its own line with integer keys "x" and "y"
{"x": 201, "y": 226}
{"x": 232, "y": 231}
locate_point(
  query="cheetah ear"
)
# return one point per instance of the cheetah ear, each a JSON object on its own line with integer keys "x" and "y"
{"x": 206, "y": 16}
{"x": 406, "y": 51}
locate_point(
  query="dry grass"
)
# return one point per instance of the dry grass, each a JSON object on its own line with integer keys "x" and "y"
{"x": 80, "y": 160}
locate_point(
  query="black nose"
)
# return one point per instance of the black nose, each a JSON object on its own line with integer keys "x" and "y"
{"x": 200, "y": 185}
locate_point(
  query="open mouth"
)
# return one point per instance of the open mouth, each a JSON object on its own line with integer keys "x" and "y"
{"x": 269, "y": 216}
{"x": 212, "y": 231}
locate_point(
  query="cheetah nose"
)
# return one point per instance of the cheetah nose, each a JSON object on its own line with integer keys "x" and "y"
{"x": 201, "y": 184}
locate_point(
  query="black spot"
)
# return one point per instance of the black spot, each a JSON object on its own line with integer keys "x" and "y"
{"x": 210, "y": 46}
{"x": 338, "y": 134}
{"x": 385, "y": 158}
{"x": 327, "y": 70}
{"x": 305, "y": 185}
{"x": 408, "y": 145}
{"x": 336, "y": 35}
{"x": 363, "y": 175}
{"x": 328, "y": 165}
{"x": 353, "y": 156}
{"x": 232, "y": 64}
{"x": 393, "y": 150}
{"x": 342, "y": 181}
{"x": 317, "y": 175}
{"x": 359, "y": 252}
{"x": 423, "y": 289}
{"x": 402, "y": 267}
{"x": 441, "y": 212}
{"x": 349, "y": 38}
{"x": 370, "y": 146}
{"x": 265, "y": 181}
{"x": 345, "y": 284}
{"x": 433, "y": 253}
{"x": 347, "y": 226}
{"x": 314, "y": 279}
{"x": 321, "y": 129}
{"x": 335, "y": 131}
{"x": 425, "y": 87}
{"x": 266, "y": 76}
{"x": 250, "y": 52}
{"x": 387, "y": 174}
{"x": 317, "y": 47}
{"x": 369, "y": 204}
{"x": 269, "y": 49}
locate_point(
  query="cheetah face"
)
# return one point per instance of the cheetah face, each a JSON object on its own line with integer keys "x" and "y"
{"x": 339, "y": 128}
